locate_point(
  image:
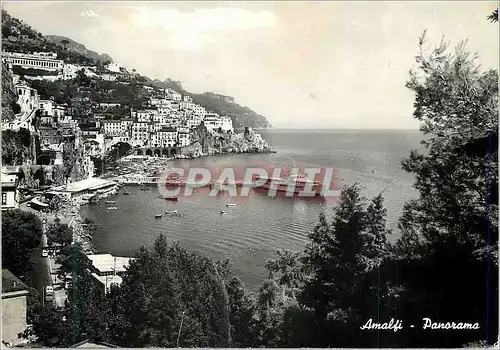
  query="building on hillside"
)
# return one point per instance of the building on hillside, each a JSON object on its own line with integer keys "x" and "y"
{"x": 173, "y": 95}
{"x": 10, "y": 191}
{"x": 70, "y": 71}
{"x": 165, "y": 110}
{"x": 113, "y": 67}
{"x": 112, "y": 127}
{"x": 187, "y": 98}
{"x": 108, "y": 76}
{"x": 183, "y": 138}
{"x": 212, "y": 121}
{"x": 226, "y": 124}
{"x": 38, "y": 60}
{"x": 165, "y": 137}
{"x": 109, "y": 105}
{"x": 28, "y": 97}
{"x": 139, "y": 134}
{"x": 200, "y": 111}
{"x": 14, "y": 308}
{"x": 143, "y": 115}
{"x": 126, "y": 125}
{"x": 187, "y": 105}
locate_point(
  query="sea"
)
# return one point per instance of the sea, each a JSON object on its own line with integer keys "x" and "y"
{"x": 253, "y": 231}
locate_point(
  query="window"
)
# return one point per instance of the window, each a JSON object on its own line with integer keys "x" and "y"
{"x": 4, "y": 198}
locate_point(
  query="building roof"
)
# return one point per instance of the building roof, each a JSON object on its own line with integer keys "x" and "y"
{"x": 108, "y": 262}
{"x": 108, "y": 280}
{"x": 11, "y": 283}
{"x": 87, "y": 344}
{"x": 87, "y": 184}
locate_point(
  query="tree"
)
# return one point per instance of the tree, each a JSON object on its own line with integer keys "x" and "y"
{"x": 69, "y": 159}
{"x": 21, "y": 233}
{"x": 493, "y": 17}
{"x": 450, "y": 231}
{"x": 59, "y": 234}
{"x": 65, "y": 43}
{"x": 163, "y": 288}
{"x": 340, "y": 263}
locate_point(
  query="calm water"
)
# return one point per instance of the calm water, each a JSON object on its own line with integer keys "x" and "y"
{"x": 252, "y": 231}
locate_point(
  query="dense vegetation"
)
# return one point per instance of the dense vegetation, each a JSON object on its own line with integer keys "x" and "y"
{"x": 16, "y": 147}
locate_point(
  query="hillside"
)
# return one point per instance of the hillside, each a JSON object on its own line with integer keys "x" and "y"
{"x": 19, "y": 37}
{"x": 78, "y": 48}
{"x": 240, "y": 115}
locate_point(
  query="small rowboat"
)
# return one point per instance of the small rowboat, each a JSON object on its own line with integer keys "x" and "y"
{"x": 175, "y": 199}
{"x": 157, "y": 216}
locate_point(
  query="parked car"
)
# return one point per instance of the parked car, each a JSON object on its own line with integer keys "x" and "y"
{"x": 49, "y": 293}
{"x": 45, "y": 253}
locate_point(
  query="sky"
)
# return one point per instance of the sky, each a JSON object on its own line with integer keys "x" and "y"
{"x": 301, "y": 64}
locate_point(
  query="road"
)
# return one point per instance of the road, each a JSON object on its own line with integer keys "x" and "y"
{"x": 40, "y": 274}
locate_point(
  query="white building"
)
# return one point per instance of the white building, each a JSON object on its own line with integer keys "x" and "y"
{"x": 165, "y": 137}
{"x": 187, "y": 105}
{"x": 183, "y": 137}
{"x": 112, "y": 127}
{"x": 113, "y": 67}
{"x": 200, "y": 111}
{"x": 227, "y": 124}
{"x": 140, "y": 134}
{"x": 70, "y": 71}
{"x": 107, "y": 269}
{"x": 38, "y": 60}
{"x": 187, "y": 99}
{"x": 173, "y": 95}
{"x": 126, "y": 125}
{"x": 143, "y": 115}
{"x": 28, "y": 97}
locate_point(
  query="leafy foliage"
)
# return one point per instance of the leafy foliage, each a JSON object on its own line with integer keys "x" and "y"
{"x": 16, "y": 146}
{"x": 59, "y": 234}
{"x": 21, "y": 233}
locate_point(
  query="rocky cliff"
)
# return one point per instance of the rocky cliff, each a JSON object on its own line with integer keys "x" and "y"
{"x": 9, "y": 95}
{"x": 210, "y": 142}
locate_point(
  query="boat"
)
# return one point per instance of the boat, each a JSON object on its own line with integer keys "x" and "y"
{"x": 175, "y": 199}
{"x": 110, "y": 202}
{"x": 157, "y": 216}
{"x": 112, "y": 208}
{"x": 171, "y": 212}
{"x": 223, "y": 212}
{"x": 126, "y": 193}
{"x": 230, "y": 204}
{"x": 298, "y": 181}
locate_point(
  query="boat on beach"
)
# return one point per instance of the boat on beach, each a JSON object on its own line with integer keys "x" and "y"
{"x": 110, "y": 202}
{"x": 157, "y": 216}
{"x": 112, "y": 208}
{"x": 171, "y": 212}
{"x": 174, "y": 199}
{"x": 223, "y": 212}
{"x": 230, "y": 204}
